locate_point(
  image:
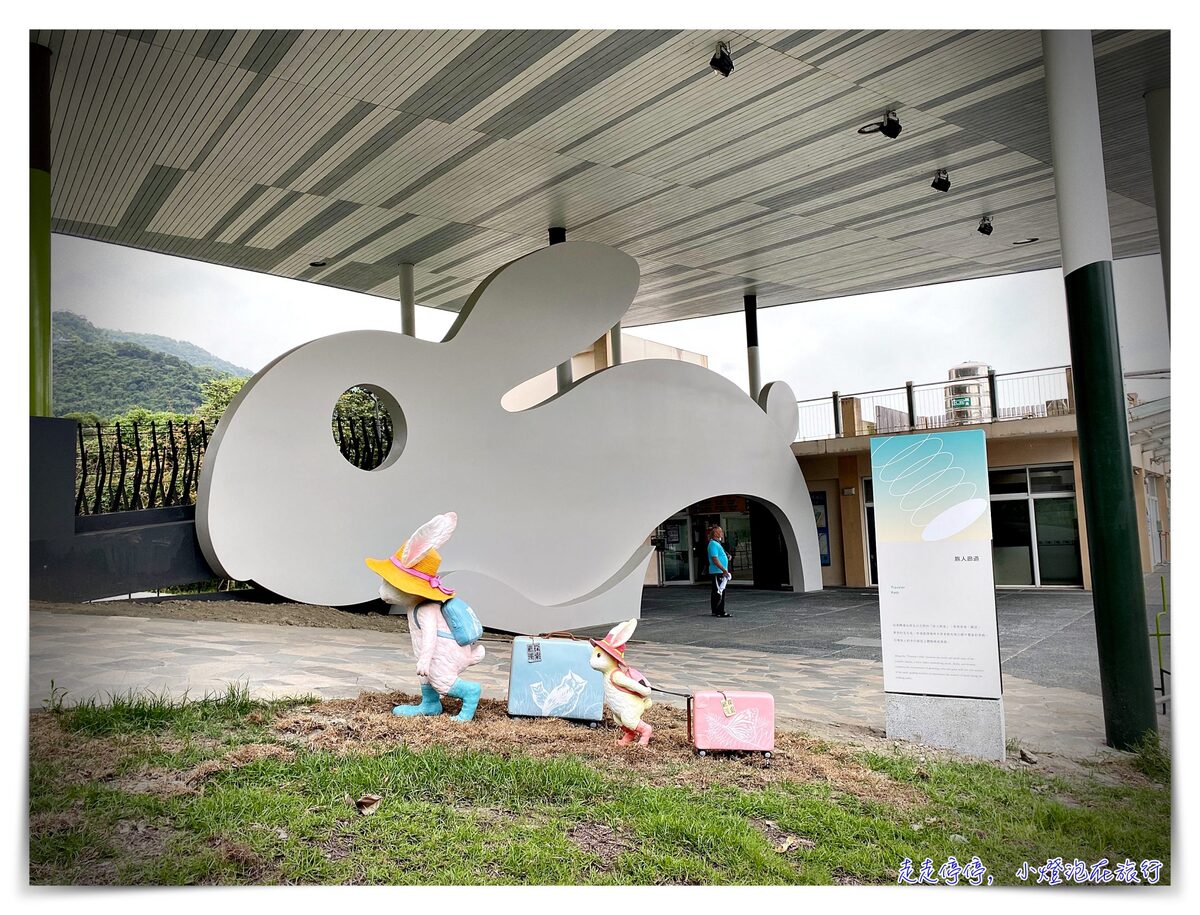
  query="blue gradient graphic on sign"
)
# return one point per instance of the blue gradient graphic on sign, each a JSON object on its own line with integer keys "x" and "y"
{"x": 931, "y": 487}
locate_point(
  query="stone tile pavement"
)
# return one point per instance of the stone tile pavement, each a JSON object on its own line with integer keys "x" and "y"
{"x": 98, "y": 655}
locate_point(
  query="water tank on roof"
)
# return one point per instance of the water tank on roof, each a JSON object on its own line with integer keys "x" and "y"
{"x": 967, "y": 399}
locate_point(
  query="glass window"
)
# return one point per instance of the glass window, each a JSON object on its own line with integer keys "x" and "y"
{"x": 1012, "y": 543}
{"x": 1001, "y": 482}
{"x": 868, "y": 491}
{"x": 1052, "y": 479}
{"x": 1058, "y": 541}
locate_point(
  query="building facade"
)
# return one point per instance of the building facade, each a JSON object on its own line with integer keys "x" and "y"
{"x": 1038, "y": 521}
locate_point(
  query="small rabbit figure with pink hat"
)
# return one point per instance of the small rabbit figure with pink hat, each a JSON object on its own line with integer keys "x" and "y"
{"x": 445, "y": 631}
{"x": 626, "y": 691}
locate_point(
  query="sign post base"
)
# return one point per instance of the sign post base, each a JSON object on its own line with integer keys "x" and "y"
{"x": 971, "y": 726}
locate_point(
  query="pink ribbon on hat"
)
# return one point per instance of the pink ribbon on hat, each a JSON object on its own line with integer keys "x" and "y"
{"x": 434, "y": 581}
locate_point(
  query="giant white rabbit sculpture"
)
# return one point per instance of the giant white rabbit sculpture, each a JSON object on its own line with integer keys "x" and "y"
{"x": 554, "y": 502}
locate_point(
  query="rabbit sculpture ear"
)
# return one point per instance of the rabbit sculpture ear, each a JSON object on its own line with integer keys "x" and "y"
{"x": 429, "y": 536}
{"x": 621, "y": 633}
{"x": 779, "y": 403}
{"x": 542, "y": 309}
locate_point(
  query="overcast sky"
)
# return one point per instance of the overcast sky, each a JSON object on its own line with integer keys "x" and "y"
{"x": 851, "y": 344}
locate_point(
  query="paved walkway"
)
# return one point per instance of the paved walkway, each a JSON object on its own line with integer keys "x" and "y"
{"x": 98, "y": 655}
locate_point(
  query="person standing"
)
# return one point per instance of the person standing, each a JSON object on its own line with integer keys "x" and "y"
{"x": 718, "y": 569}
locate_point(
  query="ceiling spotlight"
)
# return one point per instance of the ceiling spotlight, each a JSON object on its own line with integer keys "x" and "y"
{"x": 1026, "y": 241}
{"x": 722, "y": 60}
{"x": 941, "y": 181}
{"x": 985, "y": 225}
{"x": 316, "y": 263}
{"x": 889, "y": 126}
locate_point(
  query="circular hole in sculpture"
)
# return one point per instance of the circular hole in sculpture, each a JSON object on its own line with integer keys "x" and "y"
{"x": 368, "y": 427}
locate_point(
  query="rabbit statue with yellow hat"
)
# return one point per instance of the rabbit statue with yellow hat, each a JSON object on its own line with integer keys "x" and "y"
{"x": 626, "y": 691}
{"x": 445, "y": 631}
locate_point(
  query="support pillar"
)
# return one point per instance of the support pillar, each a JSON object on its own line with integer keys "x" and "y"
{"x": 40, "y": 371}
{"x": 750, "y": 305}
{"x": 408, "y": 302}
{"x": 614, "y": 341}
{"x": 563, "y": 374}
{"x": 1118, "y": 596}
{"x": 1158, "y": 120}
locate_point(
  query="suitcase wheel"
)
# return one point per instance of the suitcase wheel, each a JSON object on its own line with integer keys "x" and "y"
{"x": 766, "y": 754}
{"x": 593, "y": 725}
{"x": 702, "y": 752}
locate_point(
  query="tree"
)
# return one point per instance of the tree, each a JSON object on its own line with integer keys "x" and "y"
{"x": 215, "y": 397}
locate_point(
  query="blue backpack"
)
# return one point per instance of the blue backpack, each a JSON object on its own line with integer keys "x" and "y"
{"x": 465, "y": 627}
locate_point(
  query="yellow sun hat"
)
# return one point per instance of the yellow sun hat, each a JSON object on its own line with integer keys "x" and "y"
{"x": 421, "y": 580}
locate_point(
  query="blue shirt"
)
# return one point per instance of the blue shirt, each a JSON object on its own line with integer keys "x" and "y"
{"x": 715, "y": 552}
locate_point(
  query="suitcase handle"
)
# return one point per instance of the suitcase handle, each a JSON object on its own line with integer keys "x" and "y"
{"x": 560, "y": 635}
{"x": 690, "y": 701}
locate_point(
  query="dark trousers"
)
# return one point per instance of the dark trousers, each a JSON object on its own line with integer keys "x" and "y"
{"x": 717, "y": 600}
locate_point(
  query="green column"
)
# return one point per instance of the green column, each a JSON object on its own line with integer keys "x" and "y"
{"x": 1118, "y": 591}
{"x": 39, "y": 231}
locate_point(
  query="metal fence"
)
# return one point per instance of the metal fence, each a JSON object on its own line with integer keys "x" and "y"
{"x": 941, "y": 404}
{"x": 364, "y": 441}
{"x": 130, "y": 466}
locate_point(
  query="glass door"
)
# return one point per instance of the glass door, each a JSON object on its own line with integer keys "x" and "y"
{"x": 869, "y": 503}
{"x": 1153, "y": 522}
{"x": 1057, "y": 542}
{"x": 677, "y": 566}
{"x": 1012, "y": 542}
{"x": 737, "y": 545}
{"x": 701, "y": 525}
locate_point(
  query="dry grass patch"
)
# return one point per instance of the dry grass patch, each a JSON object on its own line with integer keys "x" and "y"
{"x": 165, "y": 782}
{"x": 602, "y": 841}
{"x": 366, "y": 725}
{"x": 85, "y": 758}
{"x": 782, "y": 840}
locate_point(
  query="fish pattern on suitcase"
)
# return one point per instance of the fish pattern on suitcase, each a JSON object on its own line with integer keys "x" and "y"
{"x": 748, "y": 724}
{"x": 551, "y": 678}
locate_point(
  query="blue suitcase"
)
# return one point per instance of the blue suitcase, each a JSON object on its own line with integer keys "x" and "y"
{"x": 551, "y": 678}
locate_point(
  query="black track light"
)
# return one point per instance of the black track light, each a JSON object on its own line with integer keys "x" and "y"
{"x": 722, "y": 60}
{"x": 889, "y": 126}
{"x": 985, "y": 225}
{"x": 941, "y": 181}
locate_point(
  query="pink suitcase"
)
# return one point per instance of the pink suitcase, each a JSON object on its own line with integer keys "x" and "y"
{"x": 731, "y": 721}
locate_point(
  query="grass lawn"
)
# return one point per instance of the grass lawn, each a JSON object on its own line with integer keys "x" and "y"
{"x": 227, "y": 790}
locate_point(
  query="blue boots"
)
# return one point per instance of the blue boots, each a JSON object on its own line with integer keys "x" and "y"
{"x": 430, "y": 704}
{"x": 469, "y": 693}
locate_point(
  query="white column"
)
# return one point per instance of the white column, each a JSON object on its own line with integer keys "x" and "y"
{"x": 1075, "y": 143}
{"x": 614, "y": 338}
{"x": 408, "y": 302}
{"x": 1158, "y": 120}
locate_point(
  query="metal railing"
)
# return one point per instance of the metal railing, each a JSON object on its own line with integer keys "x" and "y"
{"x": 940, "y": 404}
{"x": 127, "y": 467}
{"x": 364, "y": 442}
{"x": 131, "y": 467}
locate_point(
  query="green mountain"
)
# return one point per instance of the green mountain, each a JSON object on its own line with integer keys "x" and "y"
{"x": 180, "y": 349}
{"x": 95, "y": 372}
